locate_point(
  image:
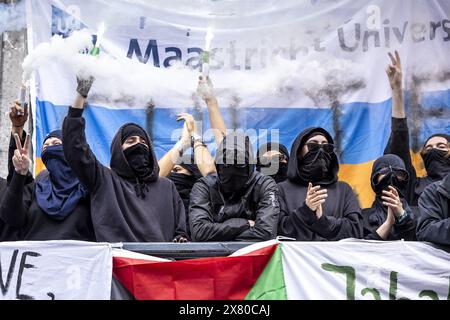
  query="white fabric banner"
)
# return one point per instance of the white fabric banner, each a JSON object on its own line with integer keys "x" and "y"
{"x": 55, "y": 270}
{"x": 340, "y": 44}
{"x": 349, "y": 270}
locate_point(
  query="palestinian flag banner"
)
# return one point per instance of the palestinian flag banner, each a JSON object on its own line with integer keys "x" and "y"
{"x": 273, "y": 270}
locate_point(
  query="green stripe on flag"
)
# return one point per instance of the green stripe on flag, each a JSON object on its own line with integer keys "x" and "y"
{"x": 270, "y": 284}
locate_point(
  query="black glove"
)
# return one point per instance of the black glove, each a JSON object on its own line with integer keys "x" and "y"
{"x": 84, "y": 85}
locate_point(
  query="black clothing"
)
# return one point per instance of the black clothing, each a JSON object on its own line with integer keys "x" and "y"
{"x": 399, "y": 145}
{"x": 341, "y": 216}
{"x": 392, "y": 167}
{"x": 124, "y": 206}
{"x": 218, "y": 215}
{"x": 19, "y": 209}
{"x": 434, "y": 218}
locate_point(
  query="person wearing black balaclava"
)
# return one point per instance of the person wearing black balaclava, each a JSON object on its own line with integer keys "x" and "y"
{"x": 434, "y": 152}
{"x": 129, "y": 201}
{"x": 390, "y": 217}
{"x": 185, "y": 169}
{"x": 237, "y": 203}
{"x": 272, "y": 160}
{"x": 314, "y": 205}
{"x": 184, "y": 176}
{"x": 53, "y": 207}
{"x": 434, "y": 213}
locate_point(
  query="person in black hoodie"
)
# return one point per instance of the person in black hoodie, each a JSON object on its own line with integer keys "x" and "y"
{"x": 129, "y": 201}
{"x": 53, "y": 207}
{"x": 435, "y": 150}
{"x": 184, "y": 176}
{"x": 314, "y": 205}
{"x": 272, "y": 160}
{"x": 390, "y": 217}
{"x": 18, "y": 116}
{"x": 237, "y": 203}
{"x": 434, "y": 213}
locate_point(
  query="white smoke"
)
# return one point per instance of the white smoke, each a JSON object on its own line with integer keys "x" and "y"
{"x": 12, "y": 16}
{"x": 129, "y": 82}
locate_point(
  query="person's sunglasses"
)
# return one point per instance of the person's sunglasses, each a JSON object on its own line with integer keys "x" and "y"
{"x": 327, "y": 147}
{"x": 267, "y": 161}
{"x": 399, "y": 173}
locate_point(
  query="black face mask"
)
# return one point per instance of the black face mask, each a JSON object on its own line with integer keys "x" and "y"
{"x": 138, "y": 157}
{"x": 232, "y": 178}
{"x": 183, "y": 183}
{"x": 315, "y": 166}
{"x": 266, "y": 167}
{"x": 390, "y": 179}
{"x": 281, "y": 175}
{"x": 436, "y": 163}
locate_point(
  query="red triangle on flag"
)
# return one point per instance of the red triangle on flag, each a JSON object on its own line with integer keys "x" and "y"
{"x": 217, "y": 278}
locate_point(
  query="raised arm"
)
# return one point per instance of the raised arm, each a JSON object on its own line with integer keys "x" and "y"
{"x": 206, "y": 91}
{"x": 172, "y": 157}
{"x": 18, "y": 116}
{"x": 203, "y": 158}
{"x": 77, "y": 152}
{"x": 395, "y": 76}
{"x": 13, "y": 209}
{"x": 399, "y": 139}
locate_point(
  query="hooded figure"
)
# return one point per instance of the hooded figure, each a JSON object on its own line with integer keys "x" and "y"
{"x": 129, "y": 202}
{"x": 434, "y": 213}
{"x": 184, "y": 182}
{"x": 437, "y": 162}
{"x": 341, "y": 217}
{"x": 276, "y": 165}
{"x": 53, "y": 207}
{"x": 392, "y": 171}
{"x": 237, "y": 203}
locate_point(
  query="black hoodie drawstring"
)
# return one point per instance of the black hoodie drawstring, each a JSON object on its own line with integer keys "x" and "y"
{"x": 140, "y": 188}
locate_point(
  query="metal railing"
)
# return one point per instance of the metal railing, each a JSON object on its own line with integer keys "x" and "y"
{"x": 182, "y": 251}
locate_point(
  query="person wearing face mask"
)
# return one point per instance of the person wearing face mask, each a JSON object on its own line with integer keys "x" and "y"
{"x": 434, "y": 152}
{"x": 185, "y": 169}
{"x": 53, "y": 207}
{"x": 272, "y": 160}
{"x": 314, "y": 205}
{"x": 237, "y": 203}
{"x": 129, "y": 201}
{"x": 390, "y": 217}
{"x": 434, "y": 213}
{"x": 184, "y": 176}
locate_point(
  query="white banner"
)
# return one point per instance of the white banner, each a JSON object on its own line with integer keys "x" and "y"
{"x": 355, "y": 270}
{"x": 55, "y": 270}
{"x": 277, "y": 66}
